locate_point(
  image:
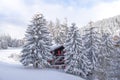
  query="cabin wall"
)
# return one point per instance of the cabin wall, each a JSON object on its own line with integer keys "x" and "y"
{"x": 58, "y": 59}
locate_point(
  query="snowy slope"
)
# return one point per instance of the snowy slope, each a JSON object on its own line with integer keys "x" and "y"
{"x": 110, "y": 25}
{"x": 5, "y": 55}
{"x": 13, "y": 70}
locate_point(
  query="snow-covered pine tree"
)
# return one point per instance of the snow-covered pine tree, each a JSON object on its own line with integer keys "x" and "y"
{"x": 113, "y": 61}
{"x": 57, "y": 28}
{"x": 36, "y": 51}
{"x": 63, "y": 31}
{"x": 72, "y": 48}
{"x": 76, "y": 62}
{"x": 51, "y": 28}
{"x": 108, "y": 60}
{"x": 105, "y": 50}
{"x": 85, "y": 63}
{"x": 58, "y": 31}
{"x": 91, "y": 41}
{"x": 116, "y": 61}
{"x": 4, "y": 44}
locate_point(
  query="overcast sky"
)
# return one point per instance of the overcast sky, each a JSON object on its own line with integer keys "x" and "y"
{"x": 15, "y": 15}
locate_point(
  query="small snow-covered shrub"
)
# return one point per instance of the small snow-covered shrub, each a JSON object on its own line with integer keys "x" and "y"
{"x": 15, "y": 56}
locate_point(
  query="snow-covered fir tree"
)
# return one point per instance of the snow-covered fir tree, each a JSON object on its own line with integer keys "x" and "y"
{"x": 57, "y": 28}
{"x": 4, "y": 44}
{"x": 105, "y": 50}
{"x": 36, "y": 51}
{"x": 58, "y": 31}
{"x": 91, "y": 41}
{"x": 6, "y": 41}
{"x": 76, "y": 61}
{"x": 63, "y": 31}
{"x": 116, "y": 61}
{"x": 107, "y": 66}
{"x": 113, "y": 61}
{"x": 51, "y": 28}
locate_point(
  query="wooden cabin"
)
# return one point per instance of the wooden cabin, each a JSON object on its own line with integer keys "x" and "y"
{"x": 58, "y": 57}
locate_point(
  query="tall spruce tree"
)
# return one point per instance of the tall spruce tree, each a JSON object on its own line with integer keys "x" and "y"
{"x": 57, "y": 28}
{"x": 37, "y": 48}
{"x": 91, "y": 41}
{"x": 51, "y": 28}
{"x": 58, "y": 31}
{"x": 63, "y": 31}
{"x": 108, "y": 59}
{"x": 113, "y": 61}
{"x": 105, "y": 50}
{"x": 117, "y": 60}
{"x": 76, "y": 62}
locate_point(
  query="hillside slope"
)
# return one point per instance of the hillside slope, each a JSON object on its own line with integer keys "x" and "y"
{"x": 13, "y": 70}
{"x": 110, "y": 25}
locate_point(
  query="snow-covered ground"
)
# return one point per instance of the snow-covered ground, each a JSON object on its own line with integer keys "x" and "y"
{"x": 8, "y": 55}
{"x": 11, "y": 69}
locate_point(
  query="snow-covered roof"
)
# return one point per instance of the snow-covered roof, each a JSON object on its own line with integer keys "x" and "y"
{"x": 55, "y": 46}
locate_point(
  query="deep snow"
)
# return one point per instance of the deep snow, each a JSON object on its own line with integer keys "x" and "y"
{"x": 11, "y": 69}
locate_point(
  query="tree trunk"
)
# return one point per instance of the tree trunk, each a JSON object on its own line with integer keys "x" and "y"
{"x": 35, "y": 65}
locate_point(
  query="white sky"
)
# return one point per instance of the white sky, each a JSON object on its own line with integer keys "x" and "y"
{"x": 15, "y": 15}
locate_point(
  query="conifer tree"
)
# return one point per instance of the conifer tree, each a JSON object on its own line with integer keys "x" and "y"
{"x": 58, "y": 31}
{"x": 113, "y": 61}
{"x": 91, "y": 41}
{"x": 37, "y": 48}
{"x": 117, "y": 60}
{"x": 105, "y": 50}
{"x": 76, "y": 61}
{"x": 63, "y": 31}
